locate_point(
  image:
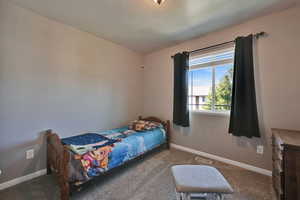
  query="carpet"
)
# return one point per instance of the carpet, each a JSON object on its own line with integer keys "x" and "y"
{"x": 146, "y": 179}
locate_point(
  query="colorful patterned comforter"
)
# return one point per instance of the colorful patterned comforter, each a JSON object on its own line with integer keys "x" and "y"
{"x": 124, "y": 145}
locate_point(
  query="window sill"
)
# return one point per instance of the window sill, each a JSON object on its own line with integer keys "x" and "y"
{"x": 211, "y": 113}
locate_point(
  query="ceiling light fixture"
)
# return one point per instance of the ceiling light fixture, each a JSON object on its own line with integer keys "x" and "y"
{"x": 159, "y": 1}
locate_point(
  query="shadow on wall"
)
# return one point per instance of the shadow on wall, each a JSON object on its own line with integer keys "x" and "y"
{"x": 258, "y": 83}
{"x": 14, "y": 158}
{"x": 186, "y": 131}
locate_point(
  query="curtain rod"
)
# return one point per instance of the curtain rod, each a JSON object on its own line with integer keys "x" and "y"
{"x": 257, "y": 35}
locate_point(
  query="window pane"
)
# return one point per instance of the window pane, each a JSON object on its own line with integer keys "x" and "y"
{"x": 200, "y": 87}
{"x": 223, "y": 87}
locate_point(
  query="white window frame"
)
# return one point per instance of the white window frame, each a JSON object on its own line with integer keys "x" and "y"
{"x": 212, "y": 65}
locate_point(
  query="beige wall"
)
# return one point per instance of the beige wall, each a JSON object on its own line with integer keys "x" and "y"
{"x": 54, "y": 76}
{"x": 277, "y": 78}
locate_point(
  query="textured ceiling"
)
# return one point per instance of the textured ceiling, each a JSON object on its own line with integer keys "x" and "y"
{"x": 143, "y": 26}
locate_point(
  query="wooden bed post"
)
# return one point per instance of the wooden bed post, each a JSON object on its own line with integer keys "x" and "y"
{"x": 48, "y": 134}
{"x": 168, "y": 133}
{"x": 58, "y": 157}
{"x": 64, "y": 176}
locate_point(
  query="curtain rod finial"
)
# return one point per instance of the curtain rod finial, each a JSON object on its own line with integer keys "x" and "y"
{"x": 262, "y": 33}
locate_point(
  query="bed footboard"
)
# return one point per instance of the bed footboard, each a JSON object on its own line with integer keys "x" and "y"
{"x": 58, "y": 157}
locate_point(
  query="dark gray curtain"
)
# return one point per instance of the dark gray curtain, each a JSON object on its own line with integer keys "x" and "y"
{"x": 243, "y": 116}
{"x": 180, "y": 107}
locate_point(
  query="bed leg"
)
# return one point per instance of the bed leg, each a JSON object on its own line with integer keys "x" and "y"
{"x": 168, "y": 130}
{"x": 48, "y": 135}
{"x": 65, "y": 191}
{"x": 168, "y": 146}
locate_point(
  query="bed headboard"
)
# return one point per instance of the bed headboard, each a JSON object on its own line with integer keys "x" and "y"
{"x": 166, "y": 125}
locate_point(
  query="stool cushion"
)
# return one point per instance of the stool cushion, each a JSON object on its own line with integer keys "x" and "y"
{"x": 199, "y": 179}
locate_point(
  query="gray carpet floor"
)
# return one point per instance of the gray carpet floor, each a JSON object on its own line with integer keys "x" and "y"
{"x": 146, "y": 179}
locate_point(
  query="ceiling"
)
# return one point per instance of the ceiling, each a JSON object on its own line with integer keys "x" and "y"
{"x": 143, "y": 26}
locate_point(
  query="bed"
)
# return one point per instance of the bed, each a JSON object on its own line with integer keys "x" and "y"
{"x": 71, "y": 163}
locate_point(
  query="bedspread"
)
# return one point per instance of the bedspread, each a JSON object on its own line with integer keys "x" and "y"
{"x": 128, "y": 147}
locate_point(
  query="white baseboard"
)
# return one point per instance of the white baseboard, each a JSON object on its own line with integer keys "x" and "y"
{"x": 175, "y": 146}
{"x": 22, "y": 179}
{"x": 224, "y": 160}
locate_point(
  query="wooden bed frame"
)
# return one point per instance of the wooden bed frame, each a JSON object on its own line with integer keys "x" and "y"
{"x": 58, "y": 157}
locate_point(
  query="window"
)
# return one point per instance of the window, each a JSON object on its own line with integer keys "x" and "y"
{"x": 210, "y": 81}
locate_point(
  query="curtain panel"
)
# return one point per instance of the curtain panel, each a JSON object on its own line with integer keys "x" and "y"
{"x": 180, "y": 100}
{"x": 243, "y": 116}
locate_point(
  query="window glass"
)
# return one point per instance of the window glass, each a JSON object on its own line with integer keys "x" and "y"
{"x": 210, "y": 81}
{"x": 223, "y": 87}
{"x": 200, "y": 86}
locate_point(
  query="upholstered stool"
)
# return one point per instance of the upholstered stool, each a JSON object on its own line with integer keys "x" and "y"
{"x": 199, "y": 179}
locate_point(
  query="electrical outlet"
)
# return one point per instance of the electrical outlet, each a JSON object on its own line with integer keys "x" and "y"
{"x": 30, "y": 154}
{"x": 260, "y": 149}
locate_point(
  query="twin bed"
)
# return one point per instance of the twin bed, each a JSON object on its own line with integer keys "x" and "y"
{"x": 76, "y": 162}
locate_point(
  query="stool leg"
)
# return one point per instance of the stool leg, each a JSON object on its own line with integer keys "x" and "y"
{"x": 189, "y": 196}
{"x": 220, "y": 196}
{"x": 180, "y": 196}
{"x": 176, "y": 194}
{"x": 185, "y": 196}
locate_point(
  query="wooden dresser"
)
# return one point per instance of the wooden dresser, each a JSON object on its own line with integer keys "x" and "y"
{"x": 286, "y": 164}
